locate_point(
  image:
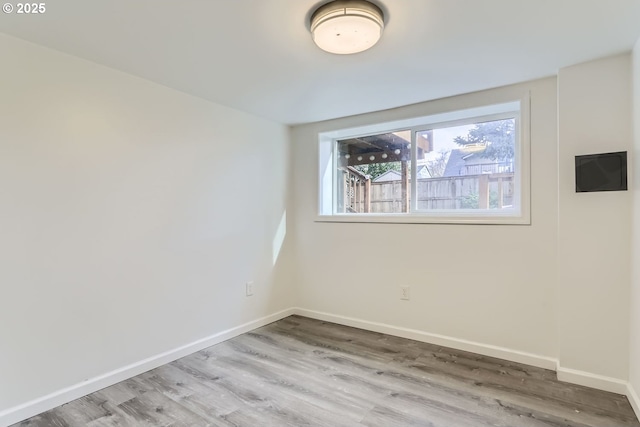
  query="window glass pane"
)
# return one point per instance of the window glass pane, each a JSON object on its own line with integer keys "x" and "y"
{"x": 467, "y": 167}
{"x": 373, "y": 173}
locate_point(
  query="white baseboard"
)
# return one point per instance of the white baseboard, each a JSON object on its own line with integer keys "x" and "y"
{"x": 633, "y": 399}
{"x": 60, "y": 397}
{"x": 437, "y": 339}
{"x": 588, "y": 379}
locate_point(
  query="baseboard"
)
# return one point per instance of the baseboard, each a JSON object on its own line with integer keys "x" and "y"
{"x": 443, "y": 340}
{"x": 588, "y": 379}
{"x": 29, "y": 409}
{"x": 633, "y": 399}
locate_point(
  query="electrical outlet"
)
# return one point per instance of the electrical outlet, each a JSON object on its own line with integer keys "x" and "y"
{"x": 405, "y": 293}
{"x": 249, "y": 288}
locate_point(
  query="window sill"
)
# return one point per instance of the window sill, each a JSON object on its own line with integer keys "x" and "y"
{"x": 425, "y": 219}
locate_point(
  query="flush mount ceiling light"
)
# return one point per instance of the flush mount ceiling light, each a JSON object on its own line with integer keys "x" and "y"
{"x": 347, "y": 26}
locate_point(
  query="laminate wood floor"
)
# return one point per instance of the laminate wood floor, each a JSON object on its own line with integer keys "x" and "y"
{"x": 304, "y": 372}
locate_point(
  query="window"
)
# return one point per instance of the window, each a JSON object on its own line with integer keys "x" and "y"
{"x": 465, "y": 166}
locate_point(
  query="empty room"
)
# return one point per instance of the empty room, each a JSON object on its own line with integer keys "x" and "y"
{"x": 320, "y": 213}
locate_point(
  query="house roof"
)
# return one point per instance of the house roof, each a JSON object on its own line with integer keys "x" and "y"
{"x": 462, "y": 157}
{"x": 393, "y": 175}
{"x": 388, "y": 176}
{"x": 456, "y": 162}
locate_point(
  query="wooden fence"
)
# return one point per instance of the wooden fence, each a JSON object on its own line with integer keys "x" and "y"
{"x": 459, "y": 192}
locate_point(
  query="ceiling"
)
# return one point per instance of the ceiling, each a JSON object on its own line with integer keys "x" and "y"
{"x": 257, "y": 55}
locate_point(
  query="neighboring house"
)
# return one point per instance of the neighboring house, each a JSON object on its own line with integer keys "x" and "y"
{"x": 469, "y": 161}
{"x": 423, "y": 172}
{"x": 392, "y": 175}
{"x": 389, "y": 176}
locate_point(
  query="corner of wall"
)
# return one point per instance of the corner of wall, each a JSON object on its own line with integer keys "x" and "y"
{"x": 634, "y": 332}
{"x": 634, "y": 399}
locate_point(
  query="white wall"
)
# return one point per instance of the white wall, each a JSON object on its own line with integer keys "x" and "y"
{"x": 563, "y": 291}
{"x": 488, "y": 284}
{"x": 634, "y": 354}
{"x": 594, "y": 112}
{"x": 131, "y": 215}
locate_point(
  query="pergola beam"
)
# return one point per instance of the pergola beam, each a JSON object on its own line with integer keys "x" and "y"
{"x": 384, "y": 148}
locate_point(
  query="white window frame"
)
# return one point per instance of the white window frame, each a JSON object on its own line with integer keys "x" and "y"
{"x": 517, "y": 109}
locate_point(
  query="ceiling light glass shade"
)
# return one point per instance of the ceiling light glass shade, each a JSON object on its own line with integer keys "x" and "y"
{"x": 347, "y": 26}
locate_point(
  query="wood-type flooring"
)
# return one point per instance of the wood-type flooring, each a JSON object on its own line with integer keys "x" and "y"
{"x": 304, "y": 372}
